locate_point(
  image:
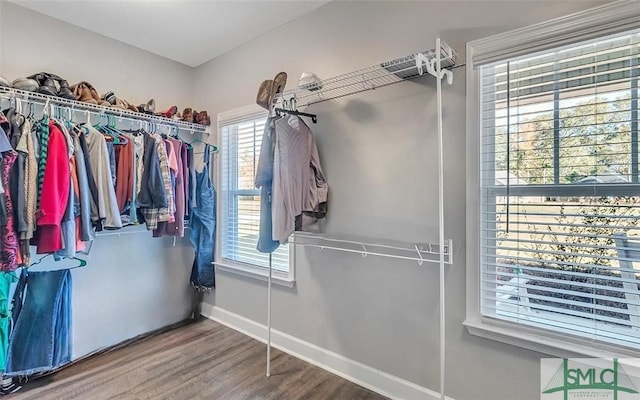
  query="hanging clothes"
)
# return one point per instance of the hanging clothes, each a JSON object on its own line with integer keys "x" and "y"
{"x": 186, "y": 179}
{"x": 152, "y": 196}
{"x": 175, "y": 228}
{"x": 264, "y": 182}
{"x": 300, "y": 189}
{"x": 41, "y": 339}
{"x": 165, "y": 213}
{"x": 79, "y": 133}
{"x": 54, "y": 195}
{"x": 6, "y": 279}
{"x": 124, "y": 175}
{"x": 26, "y": 145}
{"x": 62, "y": 182}
{"x": 68, "y": 224}
{"x": 202, "y": 232}
{"x": 84, "y": 191}
{"x": 107, "y": 207}
{"x": 8, "y": 235}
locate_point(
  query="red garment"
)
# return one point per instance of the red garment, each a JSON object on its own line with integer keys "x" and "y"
{"x": 55, "y": 193}
{"x": 124, "y": 175}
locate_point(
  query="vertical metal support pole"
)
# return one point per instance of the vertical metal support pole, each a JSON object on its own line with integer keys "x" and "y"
{"x": 634, "y": 119}
{"x": 269, "y": 319}
{"x": 441, "y": 214}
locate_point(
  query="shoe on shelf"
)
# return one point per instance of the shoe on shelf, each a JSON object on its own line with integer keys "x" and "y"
{"x": 48, "y": 86}
{"x": 187, "y": 115}
{"x": 65, "y": 91}
{"x": 27, "y": 84}
{"x": 170, "y": 112}
{"x": 202, "y": 118}
{"x": 83, "y": 93}
{"x": 110, "y": 98}
{"x": 53, "y": 85}
{"x": 4, "y": 82}
{"x": 148, "y": 108}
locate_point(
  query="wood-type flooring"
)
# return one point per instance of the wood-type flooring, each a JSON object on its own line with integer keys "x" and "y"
{"x": 200, "y": 361}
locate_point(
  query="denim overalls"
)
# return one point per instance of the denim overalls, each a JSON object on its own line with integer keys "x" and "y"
{"x": 203, "y": 229}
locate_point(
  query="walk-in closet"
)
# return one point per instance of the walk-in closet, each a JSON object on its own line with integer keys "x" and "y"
{"x": 324, "y": 199}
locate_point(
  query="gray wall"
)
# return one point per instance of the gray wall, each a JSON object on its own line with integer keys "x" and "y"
{"x": 133, "y": 283}
{"x": 378, "y": 152}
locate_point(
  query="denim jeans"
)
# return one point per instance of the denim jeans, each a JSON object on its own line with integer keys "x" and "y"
{"x": 6, "y": 279}
{"x": 41, "y": 339}
{"x": 202, "y": 232}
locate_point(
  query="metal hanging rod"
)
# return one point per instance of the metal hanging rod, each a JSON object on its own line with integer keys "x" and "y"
{"x": 280, "y": 111}
{"x": 420, "y": 252}
{"x": 74, "y": 105}
{"x": 377, "y": 76}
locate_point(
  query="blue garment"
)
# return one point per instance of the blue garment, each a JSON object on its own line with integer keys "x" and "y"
{"x": 203, "y": 229}
{"x": 112, "y": 161}
{"x": 264, "y": 181}
{"x": 40, "y": 341}
{"x": 5, "y": 145}
{"x": 6, "y": 279}
{"x": 86, "y": 229}
{"x": 68, "y": 228}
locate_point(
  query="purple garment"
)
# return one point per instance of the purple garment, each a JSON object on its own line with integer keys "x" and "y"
{"x": 175, "y": 228}
{"x": 185, "y": 176}
{"x": 8, "y": 237}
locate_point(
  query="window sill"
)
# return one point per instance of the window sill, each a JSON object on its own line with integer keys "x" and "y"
{"x": 277, "y": 277}
{"x": 555, "y": 345}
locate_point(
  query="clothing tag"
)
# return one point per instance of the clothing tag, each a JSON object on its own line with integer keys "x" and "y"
{"x": 40, "y": 213}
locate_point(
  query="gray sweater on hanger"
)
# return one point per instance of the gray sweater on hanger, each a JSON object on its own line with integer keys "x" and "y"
{"x": 107, "y": 206}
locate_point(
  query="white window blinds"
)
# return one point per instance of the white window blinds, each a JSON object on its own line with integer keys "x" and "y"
{"x": 240, "y": 200}
{"x": 559, "y": 180}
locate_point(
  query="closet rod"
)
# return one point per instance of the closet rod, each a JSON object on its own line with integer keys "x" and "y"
{"x": 42, "y": 99}
{"x": 404, "y": 251}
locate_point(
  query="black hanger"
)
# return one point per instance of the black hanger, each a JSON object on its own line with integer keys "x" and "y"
{"x": 280, "y": 111}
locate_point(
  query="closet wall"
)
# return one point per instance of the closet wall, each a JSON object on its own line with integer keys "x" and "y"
{"x": 378, "y": 153}
{"x": 133, "y": 283}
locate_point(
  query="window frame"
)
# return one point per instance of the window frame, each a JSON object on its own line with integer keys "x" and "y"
{"x": 605, "y": 20}
{"x": 253, "y": 271}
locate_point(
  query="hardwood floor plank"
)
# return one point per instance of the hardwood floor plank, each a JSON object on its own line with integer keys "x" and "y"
{"x": 200, "y": 361}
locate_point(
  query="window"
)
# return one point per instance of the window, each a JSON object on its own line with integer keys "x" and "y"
{"x": 240, "y": 138}
{"x": 559, "y": 181}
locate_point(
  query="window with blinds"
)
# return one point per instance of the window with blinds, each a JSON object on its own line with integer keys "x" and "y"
{"x": 559, "y": 183}
{"x": 240, "y": 200}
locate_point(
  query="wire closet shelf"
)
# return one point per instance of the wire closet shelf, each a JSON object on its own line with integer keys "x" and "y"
{"x": 438, "y": 63}
{"x": 419, "y": 252}
{"x": 377, "y": 76}
{"x": 74, "y": 105}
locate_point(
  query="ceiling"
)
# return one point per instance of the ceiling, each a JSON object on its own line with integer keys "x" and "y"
{"x": 187, "y": 31}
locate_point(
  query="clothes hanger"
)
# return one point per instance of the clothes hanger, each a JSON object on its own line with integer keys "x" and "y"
{"x": 105, "y": 129}
{"x": 212, "y": 147}
{"x": 291, "y": 109}
{"x": 111, "y": 129}
{"x": 81, "y": 262}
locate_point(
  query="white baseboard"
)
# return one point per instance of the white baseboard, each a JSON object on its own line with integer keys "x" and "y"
{"x": 354, "y": 371}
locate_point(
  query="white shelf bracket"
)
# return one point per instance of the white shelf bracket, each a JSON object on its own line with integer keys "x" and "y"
{"x": 421, "y": 260}
{"x": 423, "y": 61}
